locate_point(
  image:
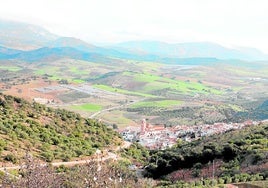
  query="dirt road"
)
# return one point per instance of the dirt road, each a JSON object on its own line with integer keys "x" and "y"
{"x": 100, "y": 156}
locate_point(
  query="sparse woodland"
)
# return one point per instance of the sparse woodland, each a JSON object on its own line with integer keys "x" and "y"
{"x": 48, "y": 134}
{"x": 236, "y": 156}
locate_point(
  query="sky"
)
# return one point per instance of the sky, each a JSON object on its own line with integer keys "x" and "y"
{"x": 231, "y": 23}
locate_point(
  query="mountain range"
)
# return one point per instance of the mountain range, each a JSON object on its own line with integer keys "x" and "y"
{"x": 190, "y": 50}
{"x": 30, "y": 43}
{"x": 23, "y": 36}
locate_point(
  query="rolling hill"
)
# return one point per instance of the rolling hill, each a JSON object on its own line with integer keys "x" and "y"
{"x": 72, "y": 42}
{"x": 189, "y": 50}
{"x": 5, "y": 53}
{"x": 51, "y": 54}
{"x": 23, "y": 36}
{"x": 235, "y": 153}
{"x": 46, "y": 133}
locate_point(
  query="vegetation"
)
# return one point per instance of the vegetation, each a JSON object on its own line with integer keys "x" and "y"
{"x": 261, "y": 112}
{"x": 208, "y": 95}
{"x": 140, "y": 85}
{"x": 155, "y": 82}
{"x": 136, "y": 152}
{"x": 47, "y": 133}
{"x": 93, "y": 174}
{"x": 88, "y": 107}
{"x": 194, "y": 115}
{"x": 11, "y": 68}
{"x": 160, "y": 103}
{"x": 231, "y": 155}
{"x": 118, "y": 90}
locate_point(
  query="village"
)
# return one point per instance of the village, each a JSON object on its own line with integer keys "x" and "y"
{"x": 162, "y": 137}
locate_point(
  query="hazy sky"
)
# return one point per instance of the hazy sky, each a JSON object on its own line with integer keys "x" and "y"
{"x": 228, "y": 22}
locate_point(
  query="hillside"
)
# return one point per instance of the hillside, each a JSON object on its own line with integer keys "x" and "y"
{"x": 23, "y": 36}
{"x": 52, "y": 54}
{"x": 47, "y": 133}
{"x": 233, "y": 154}
{"x": 71, "y": 42}
{"x": 189, "y": 50}
{"x": 261, "y": 112}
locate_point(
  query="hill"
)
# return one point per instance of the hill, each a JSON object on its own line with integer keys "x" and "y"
{"x": 5, "y": 53}
{"x": 72, "y": 43}
{"x": 48, "y": 134}
{"x": 189, "y": 50}
{"x": 52, "y": 54}
{"x": 259, "y": 113}
{"x": 230, "y": 155}
{"x": 23, "y": 36}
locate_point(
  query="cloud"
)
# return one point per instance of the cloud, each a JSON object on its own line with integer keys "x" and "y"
{"x": 239, "y": 22}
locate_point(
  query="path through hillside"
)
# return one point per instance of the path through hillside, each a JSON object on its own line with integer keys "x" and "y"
{"x": 99, "y": 157}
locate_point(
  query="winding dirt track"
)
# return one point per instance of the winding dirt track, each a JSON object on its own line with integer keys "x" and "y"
{"x": 106, "y": 156}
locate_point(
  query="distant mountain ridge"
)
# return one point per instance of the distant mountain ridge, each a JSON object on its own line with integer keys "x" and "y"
{"x": 71, "y": 42}
{"x": 5, "y": 53}
{"x": 51, "y": 54}
{"x": 189, "y": 50}
{"x": 34, "y": 39}
{"x": 23, "y": 36}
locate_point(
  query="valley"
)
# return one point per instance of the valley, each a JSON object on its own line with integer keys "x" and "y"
{"x": 193, "y": 114}
{"x": 136, "y": 90}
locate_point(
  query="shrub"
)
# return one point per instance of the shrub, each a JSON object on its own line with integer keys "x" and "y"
{"x": 48, "y": 156}
{"x": 11, "y": 158}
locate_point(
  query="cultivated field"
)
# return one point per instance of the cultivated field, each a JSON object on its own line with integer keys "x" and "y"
{"x": 125, "y": 91}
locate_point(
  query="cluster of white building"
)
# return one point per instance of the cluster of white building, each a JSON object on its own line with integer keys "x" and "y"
{"x": 161, "y": 137}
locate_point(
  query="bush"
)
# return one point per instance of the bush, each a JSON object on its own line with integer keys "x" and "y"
{"x": 2, "y": 145}
{"x": 257, "y": 157}
{"x": 11, "y": 158}
{"x": 66, "y": 157}
{"x": 49, "y": 157}
{"x": 227, "y": 179}
{"x": 264, "y": 174}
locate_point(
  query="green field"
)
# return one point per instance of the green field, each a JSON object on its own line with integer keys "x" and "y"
{"x": 11, "y": 68}
{"x": 162, "y": 103}
{"x": 78, "y": 71}
{"x": 77, "y": 81}
{"x": 117, "y": 117}
{"x": 159, "y": 87}
{"x": 53, "y": 72}
{"x": 72, "y": 70}
{"x": 58, "y": 73}
{"x": 87, "y": 107}
{"x": 154, "y": 82}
